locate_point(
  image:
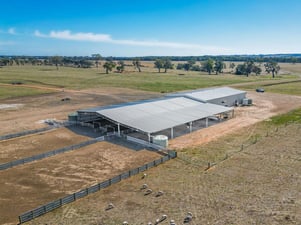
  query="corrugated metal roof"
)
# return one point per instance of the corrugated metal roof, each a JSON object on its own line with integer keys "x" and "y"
{"x": 160, "y": 114}
{"x": 204, "y": 95}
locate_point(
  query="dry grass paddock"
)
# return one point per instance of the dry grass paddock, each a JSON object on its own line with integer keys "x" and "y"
{"x": 31, "y": 185}
{"x": 26, "y": 146}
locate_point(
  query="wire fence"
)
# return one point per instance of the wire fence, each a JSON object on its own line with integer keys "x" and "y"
{"x": 25, "y": 217}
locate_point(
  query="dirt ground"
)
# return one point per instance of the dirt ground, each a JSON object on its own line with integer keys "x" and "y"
{"x": 33, "y": 110}
{"x": 265, "y": 106}
{"x": 17, "y": 148}
{"x": 31, "y": 185}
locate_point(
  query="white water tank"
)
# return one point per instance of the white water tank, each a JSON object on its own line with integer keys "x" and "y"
{"x": 161, "y": 140}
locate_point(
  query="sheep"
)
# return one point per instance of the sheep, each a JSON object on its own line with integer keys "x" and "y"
{"x": 163, "y": 217}
{"x": 149, "y": 223}
{"x": 188, "y": 218}
{"x": 110, "y": 206}
{"x": 125, "y": 223}
{"x": 172, "y": 222}
{"x": 144, "y": 176}
{"x": 159, "y": 193}
{"x": 144, "y": 186}
{"x": 148, "y": 191}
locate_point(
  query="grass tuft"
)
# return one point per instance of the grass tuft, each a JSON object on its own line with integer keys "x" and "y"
{"x": 291, "y": 117}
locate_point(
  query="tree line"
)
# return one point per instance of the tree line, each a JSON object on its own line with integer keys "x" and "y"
{"x": 81, "y": 60}
{"x": 211, "y": 65}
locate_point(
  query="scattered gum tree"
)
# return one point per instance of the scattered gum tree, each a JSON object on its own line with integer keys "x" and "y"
{"x": 208, "y": 66}
{"x": 272, "y": 67}
{"x": 137, "y": 64}
{"x": 167, "y": 65}
{"x": 247, "y": 68}
{"x": 120, "y": 66}
{"x": 159, "y": 64}
{"x": 219, "y": 66}
{"x": 109, "y": 65}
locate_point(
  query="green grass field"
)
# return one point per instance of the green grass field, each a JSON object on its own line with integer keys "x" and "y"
{"x": 148, "y": 80}
{"x": 281, "y": 87}
{"x": 13, "y": 91}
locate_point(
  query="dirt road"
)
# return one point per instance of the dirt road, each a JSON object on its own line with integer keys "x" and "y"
{"x": 265, "y": 106}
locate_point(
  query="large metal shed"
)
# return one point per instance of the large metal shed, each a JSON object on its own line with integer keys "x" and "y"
{"x": 225, "y": 96}
{"x": 152, "y": 116}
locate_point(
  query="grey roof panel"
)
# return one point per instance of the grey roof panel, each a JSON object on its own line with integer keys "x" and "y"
{"x": 157, "y": 115}
{"x": 210, "y": 93}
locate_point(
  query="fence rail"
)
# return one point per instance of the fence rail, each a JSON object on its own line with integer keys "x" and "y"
{"x": 11, "y": 164}
{"x": 25, "y": 217}
{"x": 27, "y": 132}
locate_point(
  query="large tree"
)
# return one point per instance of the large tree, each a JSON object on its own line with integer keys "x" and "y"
{"x": 120, "y": 66}
{"x": 208, "y": 66}
{"x": 247, "y": 68}
{"x": 137, "y": 64}
{"x": 219, "y": 66}
{"x": 272, "y": 67}
{"x": 159, "y": 64}
{"x": 109, "y": 65}
{"x": 167, "y": 64}
{"x": 257, "y": 70}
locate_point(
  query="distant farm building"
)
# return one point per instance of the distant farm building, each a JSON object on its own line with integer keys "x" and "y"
{"x": 225, "y": 96}
{"x": 173, "y": 115}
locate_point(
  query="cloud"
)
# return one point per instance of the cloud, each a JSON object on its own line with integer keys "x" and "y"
{"x": 67, "y": 35}
{"x": 106, "y": 38}
{"x": 10, "y": 30}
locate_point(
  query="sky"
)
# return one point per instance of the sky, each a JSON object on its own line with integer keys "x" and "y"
{"x": 149, "y": 27}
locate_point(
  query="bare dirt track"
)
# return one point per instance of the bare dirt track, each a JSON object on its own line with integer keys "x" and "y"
{"x": 265, "y": 106}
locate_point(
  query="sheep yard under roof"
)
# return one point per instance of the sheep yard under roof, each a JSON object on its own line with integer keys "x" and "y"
{"x": 159, "y": 114}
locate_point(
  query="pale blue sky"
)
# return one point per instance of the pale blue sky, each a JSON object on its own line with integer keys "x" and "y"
{"x": 153, "y": 27}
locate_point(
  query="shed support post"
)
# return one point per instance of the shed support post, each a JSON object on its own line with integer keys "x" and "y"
{"x": 207, "y": 122}
{"x": 190, "y": 127}
{"x": 149, "y": 137}
{"x": 171, "y": 133}
{"x": 118, "y": 126}
{"x": 232, "y": 113}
